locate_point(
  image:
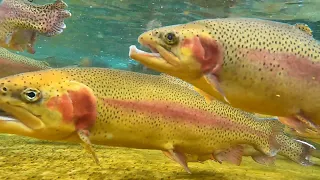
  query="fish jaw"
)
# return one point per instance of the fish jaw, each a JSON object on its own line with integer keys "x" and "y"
{"x": 156, "y": 62}
{"x": 22, "y": 122}
{"x": 176, "y": 60}
{"x": 23, "y": 20}
{"x": 53, "y": 115}
{"x": 164, "y": 62}
{"x": 27, "y": 118}
{"x": 11, "y": 125}
{"x": 196, "y": 58}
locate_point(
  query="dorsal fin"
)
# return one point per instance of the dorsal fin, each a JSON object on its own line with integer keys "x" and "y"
{"x": 304, "y": 27}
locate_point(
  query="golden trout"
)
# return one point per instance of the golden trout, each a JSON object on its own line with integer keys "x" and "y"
{"x": 256, "y": 65}
{"x": 127, "y": 109}
{"x": 21, "y": 21}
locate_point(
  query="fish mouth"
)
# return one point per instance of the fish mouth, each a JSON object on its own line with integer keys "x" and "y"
{"x": 155, "y": 53}
{"x": 11, "y": 125}
{"x": 6, "y": 117}
{"x": 160, "y": 59}
{"x": 19, "y": 121}
{"x": 19, "y": 117}
{"x": 165, "y": 61}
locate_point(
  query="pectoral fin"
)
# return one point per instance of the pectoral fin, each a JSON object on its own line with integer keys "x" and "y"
{"x": 213, "y": 80}
{"x": 206, "y": 96}
{"x": 84, "y": 136}
{"x": 179, "y": 158}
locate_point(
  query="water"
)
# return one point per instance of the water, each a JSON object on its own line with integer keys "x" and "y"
{"x": 102, "y": 31}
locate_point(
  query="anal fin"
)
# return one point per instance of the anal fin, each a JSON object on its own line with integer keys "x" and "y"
{"x": 264, "y": 159}
{"x": 84, "y": 136}
{"x": 179, "y": 158}
{"x": 232, "y": 155}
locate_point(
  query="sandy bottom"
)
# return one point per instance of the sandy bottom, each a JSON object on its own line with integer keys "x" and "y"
{"x": 26, "y": 158}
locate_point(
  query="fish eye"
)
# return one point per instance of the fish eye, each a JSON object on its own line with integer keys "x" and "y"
{"x": 31, "y": 95}
{"x": 4, "y": 89}
{"x": 170, "y": 38}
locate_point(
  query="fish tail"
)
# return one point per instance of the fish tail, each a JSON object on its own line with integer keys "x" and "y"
{"x": 307, "y": 150}
{"x": 273, "y": 128}
{"x": 295, "y": 150}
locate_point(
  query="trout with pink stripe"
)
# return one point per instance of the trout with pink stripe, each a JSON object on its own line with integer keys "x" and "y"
{"x": 127, "y": 109}
{"x": 256, "y": 65}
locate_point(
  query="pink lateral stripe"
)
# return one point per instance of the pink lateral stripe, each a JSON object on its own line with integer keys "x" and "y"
{"x": 178, "y": 112}
{"x": 295, "y": 66}
{"x": 17, "y": 66}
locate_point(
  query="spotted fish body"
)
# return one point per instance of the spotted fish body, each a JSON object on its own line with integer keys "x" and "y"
{"x": 121, "y": 108}
{"x": 274, "y": 67}
{"x": 256, "y": 65}
{"x": 11, "y": 64}
{"x": 299, "y": 152}
{"x": 21, "y": 21}
{"x": 294, "y": 150}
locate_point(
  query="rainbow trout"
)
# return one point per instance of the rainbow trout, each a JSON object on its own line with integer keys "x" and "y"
{"x": 131, "y": 110}
{"x": 256, "y": 65}
{"x": 295, "y": 150}
{"x": 21, "y": 21}
{"x": 11, "y": 64}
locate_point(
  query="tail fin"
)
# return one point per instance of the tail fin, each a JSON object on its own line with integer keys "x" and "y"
{"x": 306, "y": 152}
{"x": 296, "y": 150}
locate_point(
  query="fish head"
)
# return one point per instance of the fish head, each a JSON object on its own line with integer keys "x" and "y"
{"x": 187, "y": 51}
{"x": 46, "y": 105}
